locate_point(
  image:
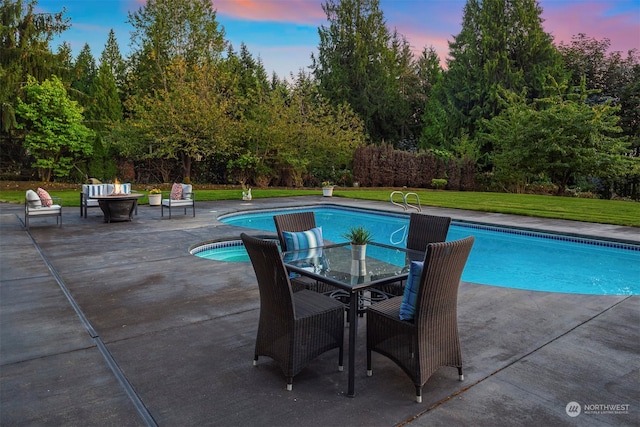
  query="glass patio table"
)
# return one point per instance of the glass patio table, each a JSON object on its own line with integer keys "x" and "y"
{"x": 334, "y": 264}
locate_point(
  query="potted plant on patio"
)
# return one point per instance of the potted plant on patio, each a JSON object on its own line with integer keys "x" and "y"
{"x": 327, "y": 188}
{"x": 155, "y": 197}
{"x": 358, "y": 236}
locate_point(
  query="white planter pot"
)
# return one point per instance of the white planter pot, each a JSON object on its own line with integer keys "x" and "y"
{"x": 358, "y": 267}
{"x": 155, "y": 199}
{"x": 327, "y": 191}
{"x": 358, "y": 252}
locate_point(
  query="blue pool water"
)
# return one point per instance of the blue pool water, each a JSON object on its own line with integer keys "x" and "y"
{"x": 500, "y": 256}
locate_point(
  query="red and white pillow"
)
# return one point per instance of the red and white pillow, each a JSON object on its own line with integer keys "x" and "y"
{"x": 176, "y": 192}
{"x": 45, "y": 198}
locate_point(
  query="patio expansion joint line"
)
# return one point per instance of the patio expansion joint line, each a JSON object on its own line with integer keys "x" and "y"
{"x": 470, "y": 386}
{"x": 113, "y": 365}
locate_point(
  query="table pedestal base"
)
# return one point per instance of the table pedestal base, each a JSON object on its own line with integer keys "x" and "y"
{"x": 118, "y": 209}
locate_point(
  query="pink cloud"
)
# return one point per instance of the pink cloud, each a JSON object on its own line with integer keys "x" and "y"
{"x": 593, "y": 19}
{"x": 298, "y": 11}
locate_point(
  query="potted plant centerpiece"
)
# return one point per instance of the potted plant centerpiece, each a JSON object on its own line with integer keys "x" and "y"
{"x": 327, "y": 188}
{"x": 155, "y": 197}
{"x": 358, "y": 236}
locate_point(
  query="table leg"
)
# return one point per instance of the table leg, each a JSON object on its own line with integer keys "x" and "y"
{"x": 353, "y": 332}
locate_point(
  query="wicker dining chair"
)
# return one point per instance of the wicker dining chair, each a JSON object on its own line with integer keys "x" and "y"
{"x": 295, "y": 222}
{"x": 429, "y": 341}
{"x": 294, "y": 328}
{"x": 423, "y": 229}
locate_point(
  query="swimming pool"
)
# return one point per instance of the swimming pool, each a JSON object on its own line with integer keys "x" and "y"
{"x": 504, "y": 257}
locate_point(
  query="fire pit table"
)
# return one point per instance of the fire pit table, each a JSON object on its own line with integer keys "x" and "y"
{"x": 118, "y": 207}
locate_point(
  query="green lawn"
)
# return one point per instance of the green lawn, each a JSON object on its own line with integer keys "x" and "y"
{"x": 589, "y": 210}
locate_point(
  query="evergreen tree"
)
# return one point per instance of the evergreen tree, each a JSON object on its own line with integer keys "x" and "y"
{"x": 112, "y": 58}
{"x": 105, "y": 106}
{"x": 501, "y": 45}
{"x": 164, "y": 30}
{"x": 84, "y": 72}
{"x": 353, "y": 62}
{"x": 24, "y": 51}
{"x": 429, "y": 83}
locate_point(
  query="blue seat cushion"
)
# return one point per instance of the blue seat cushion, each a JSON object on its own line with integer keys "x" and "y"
{"x": 410, "y": 297}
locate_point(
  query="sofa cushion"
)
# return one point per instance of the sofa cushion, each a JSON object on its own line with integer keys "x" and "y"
{"x": 186, "y": 191}
{"x": 33, "y": 200}
{"x": 410, "y": 297}
{"x": 92, "y": 190}
{"x": 45, "y": 198}
{"x": 111, "y": 188}
{"x": 51, "y": 210}
{"x": 174, "y": 203}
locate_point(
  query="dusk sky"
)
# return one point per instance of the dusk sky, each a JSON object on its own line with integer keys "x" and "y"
{"x": 284, "y": 33}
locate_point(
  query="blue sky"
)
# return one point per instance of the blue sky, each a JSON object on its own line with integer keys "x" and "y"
{"x": 284, "y": 33}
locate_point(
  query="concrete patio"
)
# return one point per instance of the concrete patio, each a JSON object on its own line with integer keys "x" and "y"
{"x": 117, "y": 324}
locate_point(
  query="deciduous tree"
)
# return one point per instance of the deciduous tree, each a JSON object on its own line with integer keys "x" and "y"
{"x": 557, "y": 137}
{"x": 190, "y": 120}
{"x": 55, "y": 135}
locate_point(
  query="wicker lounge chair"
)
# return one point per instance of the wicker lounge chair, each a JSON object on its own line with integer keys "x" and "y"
{"x": 423, "y": 229}
{"x": 431, "y": 339}
{"x": 294, "y": 222}
{"x": 294, "y": 328}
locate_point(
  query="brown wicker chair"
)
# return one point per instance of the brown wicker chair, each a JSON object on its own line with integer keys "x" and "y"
{"x": 431, "y": 340}
{"x": 423, "y": 229}
{"x": 294, "y": 222}
{"x": 294, "y": 328}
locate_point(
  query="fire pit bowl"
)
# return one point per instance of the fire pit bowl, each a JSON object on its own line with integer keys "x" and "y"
{"x": 118, "y": 207}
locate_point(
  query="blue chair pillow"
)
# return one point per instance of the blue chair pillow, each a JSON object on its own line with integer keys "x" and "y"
{"x": 303, "y": 239}
{"x": 410, "y": 297}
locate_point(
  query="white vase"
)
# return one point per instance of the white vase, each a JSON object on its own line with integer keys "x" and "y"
{"x": 358, "y": 252}
{"x": 327, "y": 191}
{"x": 358, "y": 267}
{"x": 155, "y": 199}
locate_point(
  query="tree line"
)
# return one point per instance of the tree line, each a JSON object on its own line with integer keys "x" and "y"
{"x": 510, "y": 111}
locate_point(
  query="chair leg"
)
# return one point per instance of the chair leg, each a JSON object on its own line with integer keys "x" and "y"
{"x": 340, "y": 359}
{"x": 460, "y": 374}
{"x": 418, "y": 394}
{"x": 369, "y": 371}
{"x": 289, "y": 383}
